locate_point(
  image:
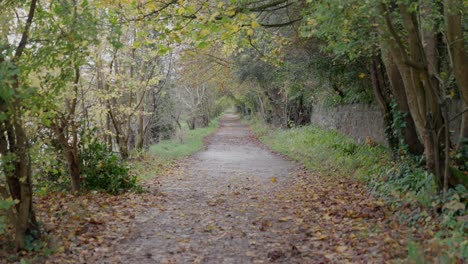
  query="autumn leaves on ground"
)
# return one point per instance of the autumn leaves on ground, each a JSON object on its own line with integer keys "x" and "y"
{"x": 234, "y": 202}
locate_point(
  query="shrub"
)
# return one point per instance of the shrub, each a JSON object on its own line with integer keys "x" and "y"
{"x": 50, "y": 171}
{"x": 103, "y": 170}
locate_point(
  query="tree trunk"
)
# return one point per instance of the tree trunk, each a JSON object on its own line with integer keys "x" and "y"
{"x": 458, "y": 54}
{"x": 123, "y": 146}
{"x": 398, "y": 90}
{"x": 421, "y": 76}
{"x": 70, "y": 153}
{"x": 13, "y": 133}
{"x": 191, "y": 123}
{"x": 14, "y": 142}
{"x": 423, "y": 98}
{"x": 74, "y": 168}
{"x": 140, "y": 132}
{"x": 378, "y": 85}
{"x": 121, "y": 138}
{"x": 108, "y": 137}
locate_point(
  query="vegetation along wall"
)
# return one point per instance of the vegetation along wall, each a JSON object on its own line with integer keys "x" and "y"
{"x": 361, "y": 121}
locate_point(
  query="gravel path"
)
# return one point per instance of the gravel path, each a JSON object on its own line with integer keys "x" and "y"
{"x": 214, "y": 204}
{"x": 237, "y": 202}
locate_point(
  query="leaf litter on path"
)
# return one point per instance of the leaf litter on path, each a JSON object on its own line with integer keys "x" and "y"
{"x": 243, "y": 204}
{"x": 234, "y": 202}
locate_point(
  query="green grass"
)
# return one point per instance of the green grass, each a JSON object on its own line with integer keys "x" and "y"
{"x": 162, "y": 156}
{"x": 187, "y": 143}
{"x": 324, "y": 151}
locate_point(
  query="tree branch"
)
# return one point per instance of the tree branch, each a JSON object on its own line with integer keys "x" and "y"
{"x": 268, "y": 5}
{"x": 281, "y": 24}
{"x": 154, "y": 11}
{"x": 27, "y": 27}
{"x": 391, "y": 28}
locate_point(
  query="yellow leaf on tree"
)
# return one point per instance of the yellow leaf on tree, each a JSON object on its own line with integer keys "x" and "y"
{"x": 205, "y": 32}
{"x": 235, "y": 28}
{"x": 231, "y": 12}
{"x": 250, "y": 32}
{"x": 255, "y": 24}
{"x": 181, "y": 11}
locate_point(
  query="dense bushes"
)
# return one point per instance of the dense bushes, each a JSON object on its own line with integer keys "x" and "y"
{"x": 103, "y": 170}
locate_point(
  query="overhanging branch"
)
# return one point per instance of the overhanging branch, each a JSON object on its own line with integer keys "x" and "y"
{"x": 281, "y": 24}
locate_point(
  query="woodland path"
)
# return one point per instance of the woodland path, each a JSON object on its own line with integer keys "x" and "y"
{"x": 237, "y": 202}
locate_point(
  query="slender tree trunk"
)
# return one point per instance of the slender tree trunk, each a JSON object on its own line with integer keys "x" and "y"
{"x": 191, "y": 123}
{"x": 70, "y": 153}
{"x": 67, "y": 134}
{"x": 108, "y": 137}
{"x": 74, "y": 168}
{"x": 140, "y": 122}
{"x": 141, "y": 132}
{"x": 378, "y": 85}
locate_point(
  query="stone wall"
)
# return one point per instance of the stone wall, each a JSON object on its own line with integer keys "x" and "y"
{"x": 361, "y": 120}
{"x": 357, "y": 121}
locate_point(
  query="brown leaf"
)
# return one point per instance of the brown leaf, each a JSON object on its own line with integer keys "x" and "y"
{"x": 264, "y": 225}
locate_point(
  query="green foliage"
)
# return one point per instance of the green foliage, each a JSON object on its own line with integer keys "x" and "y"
{"x": 415, "y": 253}
{"x": 406, "y": 179}
{"x": 348, "y": 28}
{"x": 453, "y": 234}
{"x": 450, "y": 240}
{"x": 50, "y": 170}
{"x": 5, "y": 205}
{"x": 461, "y": 159}
{"x": 188, "y": 142}
{"x": 103, "y": 170}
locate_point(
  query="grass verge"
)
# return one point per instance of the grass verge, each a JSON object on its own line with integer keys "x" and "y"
{"x": 162, "y": 156}
{"x": 408, "y": 189}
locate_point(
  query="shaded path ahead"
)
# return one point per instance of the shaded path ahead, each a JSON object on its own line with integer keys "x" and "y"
{"x": 236, "y": 202}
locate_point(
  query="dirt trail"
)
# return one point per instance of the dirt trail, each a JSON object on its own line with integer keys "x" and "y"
{"x": 236, "y": 202}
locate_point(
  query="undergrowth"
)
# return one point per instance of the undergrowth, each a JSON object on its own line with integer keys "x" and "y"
{"x": 408, "y": 189}
{"x": 103, "y": 170}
